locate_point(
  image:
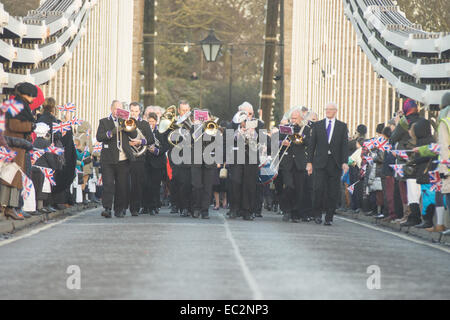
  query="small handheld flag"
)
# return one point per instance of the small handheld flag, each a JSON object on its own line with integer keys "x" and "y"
{"x": 7, "y": 155}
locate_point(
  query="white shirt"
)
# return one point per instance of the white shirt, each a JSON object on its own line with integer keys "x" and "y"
{"x": 327, "y": 121}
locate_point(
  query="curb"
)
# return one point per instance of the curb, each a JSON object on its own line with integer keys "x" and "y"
{"x": 434, "y": 237}
{"x": 11, "y": 226}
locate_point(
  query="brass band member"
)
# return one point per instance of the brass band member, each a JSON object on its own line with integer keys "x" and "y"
{"x": 243, "y": 176}
{"x": 180, "y": 185}
{"x": 115, "y": 161}
{"x": 155, "y": 166}
{"x": 137, "y": 168}
{"x": 293, "y": 167}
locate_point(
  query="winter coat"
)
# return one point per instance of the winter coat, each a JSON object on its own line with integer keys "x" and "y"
{"x": 423, "y": 163}
{"x": 48, "y": 160}
{"x": 401, "y": 134}
{"x": 19, "y": 126}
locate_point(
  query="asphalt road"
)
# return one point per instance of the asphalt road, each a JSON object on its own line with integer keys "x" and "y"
{"x": 170, "y": 257}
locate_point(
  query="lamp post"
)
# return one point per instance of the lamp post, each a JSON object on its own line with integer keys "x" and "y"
{"x": 211, "y": 46}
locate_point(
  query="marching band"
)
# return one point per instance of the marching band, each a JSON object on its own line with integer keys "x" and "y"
{"x": 180, "y": 151}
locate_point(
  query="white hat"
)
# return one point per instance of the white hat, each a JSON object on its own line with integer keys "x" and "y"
{"x": 41, "y": 129}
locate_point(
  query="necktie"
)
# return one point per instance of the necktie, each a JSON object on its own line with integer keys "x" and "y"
{"x": 329, "y": 130}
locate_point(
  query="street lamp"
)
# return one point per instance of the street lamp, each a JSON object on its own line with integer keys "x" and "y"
{"x": 211, "y": 46}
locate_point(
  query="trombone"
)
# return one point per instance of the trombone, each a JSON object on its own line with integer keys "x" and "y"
{"x": 296, "y": 138}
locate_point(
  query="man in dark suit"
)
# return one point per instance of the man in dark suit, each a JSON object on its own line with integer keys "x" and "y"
{"x": 244, "y": 171}
{"x": 137, "y": 168}
{"x": 293, "y": 168}
{"x": 181, "y": 185}
{"x": 115, "y": 161}
{"x": 327, "y": 157}
{"x": 155, "y": 165}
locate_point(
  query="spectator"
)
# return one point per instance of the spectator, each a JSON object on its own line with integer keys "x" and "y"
{"x": 18, "y": 126}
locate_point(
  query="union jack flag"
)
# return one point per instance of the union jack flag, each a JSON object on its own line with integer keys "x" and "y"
{"x": 382, "y": 144}
{"x": 7, "y": 155}
{"x": 363, "y": 171}
{"x": 398, "y": 168}
{"x": 54, "y": 150}
{"x": 400, "y": 153}
{"x": 435, "y": 148}
{"x": 27, "y": 186}
{"x": 13, "y": 107}
{"x": 75, "y": 121}
{"x": 85, "y": 152}
{"x": 35, "y": 155}
{"x": 351, "y": 188}
{"x": 435, "y": 180}
{"x": 2, "y": 122}
{"x": 67, "y": 107}
{"x": 446, "y": 162}
{"x": 48, "y": 173}
{"x": 369, "y": 159}
{"x": 369, "y": 144}
{"x": 98, "y": 147}
{"x": 62, "y": 127}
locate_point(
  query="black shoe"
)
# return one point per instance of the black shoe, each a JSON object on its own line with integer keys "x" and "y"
{"x": 35, "y": 213}
{"x": 410, "y": 223}
{"x": 134, "y": 214}
{"x": 248, "y": 217}
{"x": 60, "y": 206}
{"x": 318, "y": 221}
{"x": 328, "y": 223}
{"x": 174, "y": 210}
{"x": 196, "y": 214}
{"x": 424, "y": 224}
{"x": 44, "y": 210}
{"x": 51, "y": 209}
{"x": 306, "y": 219}
{"x": 205, "y": 215}
{"x": 106, "y": 213}
{"x": 145, "y": 211}
{"x": 119, "y": 214}
{"x": 156, "y": 210}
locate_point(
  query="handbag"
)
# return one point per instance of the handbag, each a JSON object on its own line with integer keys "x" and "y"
{"x": 223, "y": 174}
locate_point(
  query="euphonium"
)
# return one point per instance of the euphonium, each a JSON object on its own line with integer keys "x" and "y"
{"x": 168, "y": 120}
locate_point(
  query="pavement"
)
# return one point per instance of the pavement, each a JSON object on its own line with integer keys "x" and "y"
{"x": 170, "y": 257}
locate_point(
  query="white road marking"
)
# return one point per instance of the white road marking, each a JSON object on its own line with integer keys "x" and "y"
{"x": 257, "y": 295}
{"x": 405, "y": 237}
{"x": 46, "y": 227}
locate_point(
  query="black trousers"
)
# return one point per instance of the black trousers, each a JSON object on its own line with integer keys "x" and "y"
{"x": 326, "y": 189}
{"x": 202, "y": 179}
{"x": 294, "y": 187}
{"x": 153, "y": 178}
{"x": 137, "y": 179}
{"x": 116, "y": 185}
{"x": 181, "y": 178}
{"x": 243, "y": 187}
